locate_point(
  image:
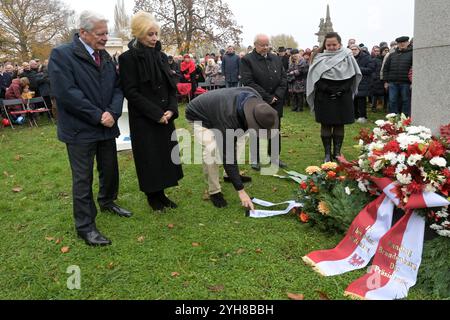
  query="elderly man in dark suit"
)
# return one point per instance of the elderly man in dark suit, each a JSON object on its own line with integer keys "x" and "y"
{"x": 89, "y": 101}
{"x": 265, "y": 73}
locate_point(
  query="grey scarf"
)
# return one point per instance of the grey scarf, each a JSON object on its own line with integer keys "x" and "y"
{"x": 332, "y": 65}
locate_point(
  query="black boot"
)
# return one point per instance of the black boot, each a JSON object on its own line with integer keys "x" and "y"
{"x": 155, "y": 203}
{"x": 337, "y": 142}
{"x": 327, "y": 146}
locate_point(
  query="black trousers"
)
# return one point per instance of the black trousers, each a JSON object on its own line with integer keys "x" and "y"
{"x": 81, "y": 157}
{"x": 360, "y": 104}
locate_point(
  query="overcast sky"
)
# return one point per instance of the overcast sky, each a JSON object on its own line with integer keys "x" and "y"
{"x": 368, "y": 21}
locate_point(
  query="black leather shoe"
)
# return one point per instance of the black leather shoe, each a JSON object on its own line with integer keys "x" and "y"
{"x": 244, "y": 179}
{"x": 94, "y": 238}
{"x": 256, "y": 167}
{"x": 218, "y": 200}
{"x": 282, "y": 165}
{"x": 114, "y": 208}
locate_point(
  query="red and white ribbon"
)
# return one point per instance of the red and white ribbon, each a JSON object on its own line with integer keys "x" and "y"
{"x": 397, "y": 250}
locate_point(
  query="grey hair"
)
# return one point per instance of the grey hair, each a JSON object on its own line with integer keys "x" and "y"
{"x": 259, "y": 36}
{"x": 88, "y": 19}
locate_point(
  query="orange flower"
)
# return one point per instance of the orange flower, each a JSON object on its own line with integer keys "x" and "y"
{"x": 315, "y": 190}
{"x": 342, "y": 178}
{"x": 323, "y": 208}
{"x": 331, "y": 174}
{"x": 304, "y": 217}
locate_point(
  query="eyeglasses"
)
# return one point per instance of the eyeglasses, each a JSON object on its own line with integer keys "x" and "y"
{"x": 98, "y": 35}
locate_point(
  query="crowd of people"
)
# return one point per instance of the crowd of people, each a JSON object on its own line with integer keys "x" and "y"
{"x": 30, "y": 79}
{"x": 253, "y": 87}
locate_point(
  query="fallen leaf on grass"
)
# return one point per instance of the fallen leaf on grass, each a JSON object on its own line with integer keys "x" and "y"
{"x": 6, "y": 174}
{"x": 171, "y": 226}
{"x": 275, "y": 189}
{"x": 217, "y": 288}
{"x": 58, "y": 241}
{"x": 323, "y": 295}
{"x": 18, "y": 157}
{"x": 175, "y": 274}
{"x": 65, "y": 249}
{"x": 17, "y": 189}
{"x": 206, "y": 196}
{"x": 141, "y": 239}
{"x": 240, "y": 251}
{"x": 195, "y": 244}
{"x": 258, "y": 251}
{"x": 49, "y": 238}
{"x": 294, "y": 296}
{"x": 111, "y": 266}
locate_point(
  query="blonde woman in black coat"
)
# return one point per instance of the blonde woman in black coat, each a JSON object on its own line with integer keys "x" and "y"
{"x": 152, "y": 104}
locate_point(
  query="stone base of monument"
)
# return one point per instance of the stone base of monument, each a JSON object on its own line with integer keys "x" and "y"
{"x": 124, "y": 141}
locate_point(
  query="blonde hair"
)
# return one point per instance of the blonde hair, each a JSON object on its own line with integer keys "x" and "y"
{"x": 141, "y": 23}
{"x": 24, "y": 82}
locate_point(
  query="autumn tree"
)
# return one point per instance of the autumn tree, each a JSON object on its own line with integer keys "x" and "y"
{"x": 31, "y": 23}
{"x": 121, "y": 21}
{"x": 283, "y": 40}
{"x": 190, "y": 24}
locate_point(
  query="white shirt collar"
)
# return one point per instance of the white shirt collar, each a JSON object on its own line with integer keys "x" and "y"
{"x": 88, "y": 48}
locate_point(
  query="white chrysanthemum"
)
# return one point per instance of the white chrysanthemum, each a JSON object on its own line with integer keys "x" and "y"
{"x": 418, "y": 130}
{"x": 378, "y": 165}
{"x": 361, "y": 142}
{"x": 445, "y": 224}
{"x": 436, "y": 227}
{"x": 413, "y": 159}
{"x": 405, "y": 140}
{"x": 380, "y": 123}
{"x": 404, "y": 178}
{"x": 400, "y": 168}
{"x": 444, "y": 233}
{"x": 401, "y": 158}
{"x": 442, "y": 214}
{"x": 438, "y": 161}
{"x": 391, "y": 116}
{"x": 425, "y": 136}
{"x": 378, "y": 132}
{"x": 348, "y": 191}
{"x": 362, "y": 186}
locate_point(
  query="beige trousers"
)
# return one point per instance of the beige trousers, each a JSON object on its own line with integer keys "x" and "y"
{"x": 210, "y": 155}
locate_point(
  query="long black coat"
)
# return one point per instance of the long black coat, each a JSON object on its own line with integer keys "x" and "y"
{"x": 334, "y": 102}
{"x": 265, "y": 75}
{"x": 377, "y": 88}
{"x": 151, "y": 141}
{"x": 367, "y": 67}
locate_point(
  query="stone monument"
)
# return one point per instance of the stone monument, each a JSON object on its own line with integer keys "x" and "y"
{"x": 431, "y": 70}
{"x": 124, "y": 141}
{"x": 325, "y": 27}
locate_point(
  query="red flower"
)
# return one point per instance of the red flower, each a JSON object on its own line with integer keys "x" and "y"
{"x": 389, "y": 172}
{"x": 392, "y": 146}
{"x": 435, "y": 149}
{"x": 415, "y": 187}
{"x": 415, "y": 149}
{"x": 407, "y": 122}
{"x": 390, "y": 129}
{"x": 303, "y": 185}
{"x": 331, "y": 174}
{"x": 304, "y": 217}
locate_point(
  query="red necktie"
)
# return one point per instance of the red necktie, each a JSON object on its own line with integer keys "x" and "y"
{"x": 97, "y": 57}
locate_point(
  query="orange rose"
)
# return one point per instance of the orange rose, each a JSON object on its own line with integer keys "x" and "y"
{"x": 304, "y": 217}
{"x": 331, "y": 174}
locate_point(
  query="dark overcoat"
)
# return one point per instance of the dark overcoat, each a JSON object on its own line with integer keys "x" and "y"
{"x": 334, "y": 102}
{"x": 153, "y": 143}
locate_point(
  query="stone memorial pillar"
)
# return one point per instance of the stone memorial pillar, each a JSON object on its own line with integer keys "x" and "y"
{"x": 431, "y": 82}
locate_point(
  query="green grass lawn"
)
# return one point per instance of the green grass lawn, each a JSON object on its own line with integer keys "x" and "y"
{"x": 237, "y": 257}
